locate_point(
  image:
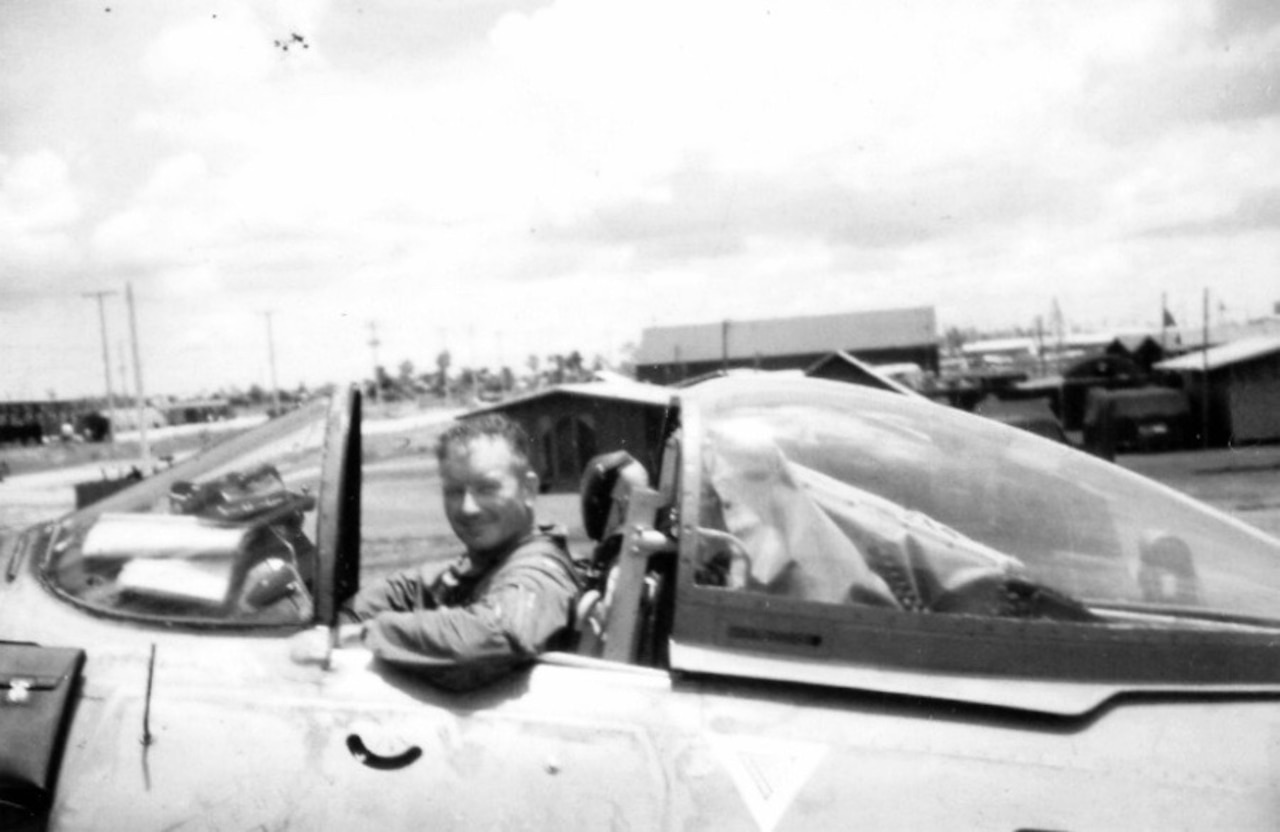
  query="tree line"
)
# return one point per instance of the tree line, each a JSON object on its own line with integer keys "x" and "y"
{"x": 447, "y": 382}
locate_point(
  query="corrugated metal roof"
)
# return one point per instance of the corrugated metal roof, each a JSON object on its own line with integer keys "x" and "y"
{"x": 1236, "y": 352}
{"x": 1220, "y": 334}
{"x": 620, "y": 391}
{"x": 880, "y": 329}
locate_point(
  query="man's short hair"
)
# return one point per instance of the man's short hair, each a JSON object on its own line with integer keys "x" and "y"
{"x": 493, "y": 425}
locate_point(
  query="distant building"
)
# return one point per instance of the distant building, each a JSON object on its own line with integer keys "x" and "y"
{"x": 33, "y": 422}
{"x": 840, "y": 366}
{"x": 1093, "y": 342}
{"x": 674, "y": 353}
{"x": 193, "y": 411}
{"x": 130, "y": 418}
{"x": 571, "y": 423}
{"x": 1235, "y": 386}
{"x": 1193, "y": 338}
{"x": 1012, "y": 349}
{"x": 1047, "y": 352}
{"x": 1143, "y": 349}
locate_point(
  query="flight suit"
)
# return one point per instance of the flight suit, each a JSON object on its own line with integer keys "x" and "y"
{"x": 479, "y": 618}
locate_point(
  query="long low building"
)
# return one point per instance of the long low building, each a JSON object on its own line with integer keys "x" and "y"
{"x": 671, "y": 354}
{"x": 1236, "y": 387}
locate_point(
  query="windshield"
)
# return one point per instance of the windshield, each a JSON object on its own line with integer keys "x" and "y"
{"x": 226, "y": 538}
{"x": 838, "y": 495}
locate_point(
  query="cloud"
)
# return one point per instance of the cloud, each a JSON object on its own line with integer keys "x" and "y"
{"x": 700, "y": 212}
{"x": 1234, "y": 18}
{"x": 40, "y": 208}
{"x": 212, "y": 57}
{"x": 167, "y": 222}
{"x": 1195, "y": 76}
{"x": 1257, "y": 210}
{"x": 37, "y": 191}
{"x": 862, "y": 129}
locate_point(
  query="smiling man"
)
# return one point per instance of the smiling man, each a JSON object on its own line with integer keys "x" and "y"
{"x": 510, "y": 593}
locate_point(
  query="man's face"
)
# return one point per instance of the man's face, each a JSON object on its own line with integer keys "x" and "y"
{"x": 488, "y": 497}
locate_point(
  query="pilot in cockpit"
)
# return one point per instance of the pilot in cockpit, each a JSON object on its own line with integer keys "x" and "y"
{"x": 511, "y": 593}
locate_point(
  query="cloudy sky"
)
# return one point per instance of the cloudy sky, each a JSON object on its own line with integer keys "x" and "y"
{"x": 508, "y": 177}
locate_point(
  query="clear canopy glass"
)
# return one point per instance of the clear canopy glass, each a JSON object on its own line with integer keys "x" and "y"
{"x": 837, "y": 494}
{"x": 227, "y": 537}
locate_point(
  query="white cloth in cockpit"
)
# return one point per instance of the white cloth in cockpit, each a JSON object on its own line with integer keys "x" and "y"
{"x": 813, "y": 537}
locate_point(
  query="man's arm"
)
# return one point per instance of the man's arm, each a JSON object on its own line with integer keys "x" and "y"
{"x": 527, "y": 601}
{"x": 401, "y": 592}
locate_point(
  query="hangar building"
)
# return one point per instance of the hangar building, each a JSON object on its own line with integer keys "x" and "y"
{"x": 673, "y": 353}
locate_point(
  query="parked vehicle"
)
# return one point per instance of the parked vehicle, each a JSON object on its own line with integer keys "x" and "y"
{"x": 1142, "y": 419}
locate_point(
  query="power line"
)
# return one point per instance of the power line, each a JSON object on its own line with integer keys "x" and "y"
{"x": 44, "y": 348}
{"x": 36, "y": 294}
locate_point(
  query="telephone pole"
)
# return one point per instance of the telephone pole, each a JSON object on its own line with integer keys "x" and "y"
{"x": 106, "y": 359}
{"x": 137, "y": 379}
{"x": 271, "y": 358}
{"x": 374, "y": 343}
{"x": 1205, "y": 388}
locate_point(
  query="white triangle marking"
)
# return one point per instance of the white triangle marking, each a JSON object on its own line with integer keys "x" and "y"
{"x": 768, "y": 773}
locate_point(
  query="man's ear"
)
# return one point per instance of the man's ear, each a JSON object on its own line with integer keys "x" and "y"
{"x": 531, "y": 483}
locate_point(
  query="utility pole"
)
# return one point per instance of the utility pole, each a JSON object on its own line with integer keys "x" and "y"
{"x": 1040, "y": 344}
{"x": 374, "y": 343}
{"x": 137, "y": 378}
{"x": 442, "y": 364}
{"x": 1205, "y": 387}
{"x": 271, "y": 357}
{"x": 471, "y": 350}
{"x": 123, "y": 357}
{"x": 1164, "y": 322}
{"x": 1059, "y": 325}
{"x": 106, "y": 359}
